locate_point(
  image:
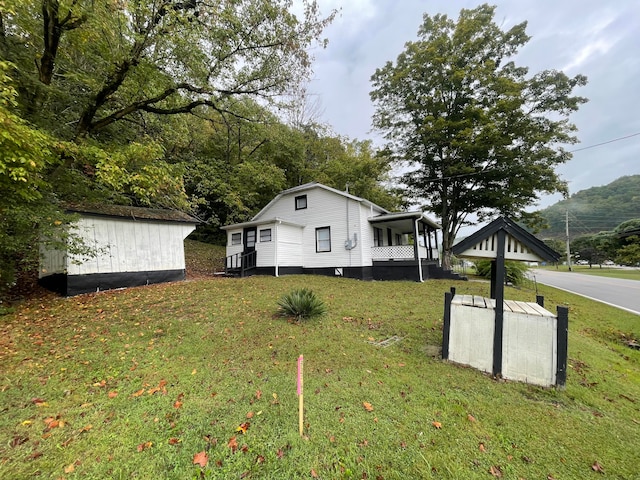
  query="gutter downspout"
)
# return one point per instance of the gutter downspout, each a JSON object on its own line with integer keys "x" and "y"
{"x": 416, "y": 249}
{"x": 275, "y": 250}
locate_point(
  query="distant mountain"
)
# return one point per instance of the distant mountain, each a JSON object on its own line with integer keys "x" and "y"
{"x": 595, "y": 209}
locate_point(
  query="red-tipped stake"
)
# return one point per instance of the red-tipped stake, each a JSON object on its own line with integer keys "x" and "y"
{"x": 300, "y": 396}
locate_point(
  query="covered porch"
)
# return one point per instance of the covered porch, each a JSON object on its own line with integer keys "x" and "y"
{"x": 405, "y": 246}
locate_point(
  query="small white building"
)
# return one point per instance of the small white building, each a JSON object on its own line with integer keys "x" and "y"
{"x": 316, "y": 229}
{"x": 132, "y": 246}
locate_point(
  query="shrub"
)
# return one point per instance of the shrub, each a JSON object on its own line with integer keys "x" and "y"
{"x": 301, "y": 303}
{"x": 514, "y": 271}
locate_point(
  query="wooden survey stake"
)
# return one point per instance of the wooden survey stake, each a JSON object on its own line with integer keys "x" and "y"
{"x": 300, "y": 395}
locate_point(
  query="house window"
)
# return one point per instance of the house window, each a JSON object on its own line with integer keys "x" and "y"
{"x": 323, "y": 239}
{"x": 377, "y": 237}
{"x": 265, "y": 235}
{"x": 398, "y": 239}
{"x": 236, "y": 238}
{"x": 301, "y": 202}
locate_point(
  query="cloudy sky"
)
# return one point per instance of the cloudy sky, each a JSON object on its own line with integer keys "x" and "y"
{"x": 596, "y": 38}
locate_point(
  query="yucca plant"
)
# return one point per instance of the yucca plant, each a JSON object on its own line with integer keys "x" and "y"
{"x": 301, "y": 303}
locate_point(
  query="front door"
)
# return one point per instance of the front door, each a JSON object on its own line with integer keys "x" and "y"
{"x": 249, "y": 236}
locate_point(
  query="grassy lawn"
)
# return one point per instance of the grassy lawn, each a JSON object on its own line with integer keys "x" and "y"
{"x": 136, "y": 383}
{"x": 612, "y": 272}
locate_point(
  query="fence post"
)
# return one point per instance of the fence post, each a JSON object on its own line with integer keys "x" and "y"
{"x": 562, "y": 336}
{"x": 540, "y": 300}
{"x": 448, "y": 296}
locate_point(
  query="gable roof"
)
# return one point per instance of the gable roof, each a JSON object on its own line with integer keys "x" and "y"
{"x": 520, "y": 244}
{"x": 132, "y": 213}
{"x": 312, "y": 185}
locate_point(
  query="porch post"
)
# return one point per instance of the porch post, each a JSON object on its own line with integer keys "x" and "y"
{"x": 427, "y": 243}
{"x": 416, "y": 249}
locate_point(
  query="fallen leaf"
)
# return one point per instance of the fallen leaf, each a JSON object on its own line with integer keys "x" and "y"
{"x": 471, "y": 418}
{"x": 495, "y": 471}
{"x": 245, "y": 448}
{"x": 243, "y": 427}
{"x": 194, "y": 371}
{"x": 174, "y": 441}
{"x": 38, "y": 402}
{"x": 233, "y": 444}
{"x": 250, "y": 415}
{"x": 177, "y": 404}
{"x": 437, "y": 425}
{"x": 280, "y": 453}
{"x": 596, "y": 467}
{"x": 69, "y": 468}
{"x": 367, "y": 406}
{"x": 201, "y": 459}
{"x": 313, "y": 473}
{"x": 144, "y": 445}
{"x": 101, "y": 383}
{"x": 481, "y": 447}
{"x": 259, "y": 459}
{"x": 86, "y": 428}
{"x": 113, "y": 394}
{"x": 138, "y": 393}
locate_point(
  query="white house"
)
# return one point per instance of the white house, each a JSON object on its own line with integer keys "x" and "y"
{"x": 316, "y": 229}
{"x": 132, "y": 246}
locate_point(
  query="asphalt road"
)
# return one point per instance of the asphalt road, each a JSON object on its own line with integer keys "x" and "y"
{"x": 618, "y": 292}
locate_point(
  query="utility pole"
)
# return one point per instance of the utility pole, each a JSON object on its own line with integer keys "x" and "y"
{"x": 567, "y": 235}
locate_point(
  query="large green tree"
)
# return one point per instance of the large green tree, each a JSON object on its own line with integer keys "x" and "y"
{"x": 478, "y": 133}
{"x": 91, "y": 64}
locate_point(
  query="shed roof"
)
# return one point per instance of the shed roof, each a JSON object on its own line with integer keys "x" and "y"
{"x": 519, "y": 245}
{"x": 132, "y": 213}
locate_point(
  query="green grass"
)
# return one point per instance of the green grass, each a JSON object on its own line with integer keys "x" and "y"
{"x": 605, "y": 271}
{"x": 111, "y": 367}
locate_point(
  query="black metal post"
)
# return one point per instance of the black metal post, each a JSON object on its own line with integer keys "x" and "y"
{"x": 498, "y": 282}
{"x": 562, "y": 348}
{"x": 446, "y": 328}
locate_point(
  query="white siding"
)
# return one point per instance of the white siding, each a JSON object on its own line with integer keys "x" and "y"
{"x": 124, "y": 245}
{"x": 326, "y": 209}
{"x": 289, "y": 239}
{"x": 233, "y": 249}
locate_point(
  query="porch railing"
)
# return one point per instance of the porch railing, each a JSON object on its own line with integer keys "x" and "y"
{"x": 400, "y": 252}
{"x": 240, "y": 263}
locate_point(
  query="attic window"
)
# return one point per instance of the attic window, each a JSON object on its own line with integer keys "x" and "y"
{"x": 301, "y": 202}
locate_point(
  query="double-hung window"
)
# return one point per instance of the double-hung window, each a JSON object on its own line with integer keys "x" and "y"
{"x": 323, "y": 239}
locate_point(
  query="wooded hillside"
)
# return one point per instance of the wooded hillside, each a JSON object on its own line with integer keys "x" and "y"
{"x": 595, "y": 209}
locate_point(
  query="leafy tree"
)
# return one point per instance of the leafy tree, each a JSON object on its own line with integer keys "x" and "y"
{"x": 629, "y": 254}
{"x": 126, "y": 60}
{"x": 479, "y": 134}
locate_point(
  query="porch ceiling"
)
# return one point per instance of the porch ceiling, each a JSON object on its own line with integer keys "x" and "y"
{"x": 403, "y": 221}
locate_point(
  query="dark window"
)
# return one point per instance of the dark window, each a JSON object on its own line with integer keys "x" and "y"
{"x": 377, "y": 237}
{"x": 301, "y": 202}
{"x": 323, "y": 239}
{"x": 265, "y": 235}
{"x": 398, "y": 239}
{"x": 236, "y": 238}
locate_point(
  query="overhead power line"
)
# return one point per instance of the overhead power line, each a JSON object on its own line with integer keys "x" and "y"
{"x": 605, "y": 143}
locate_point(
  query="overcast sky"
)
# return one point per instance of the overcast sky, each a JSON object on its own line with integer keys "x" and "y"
{"x": 596, "y": 38}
